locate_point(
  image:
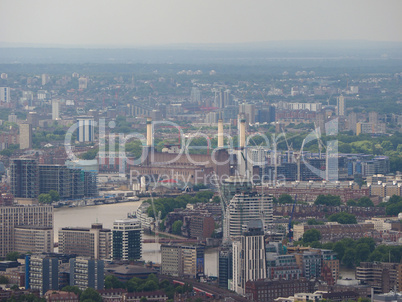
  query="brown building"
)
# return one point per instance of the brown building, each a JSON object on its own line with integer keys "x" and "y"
{"x": 201, "y": 227}
{"x": 310, "y": 191}
{"x": 267, "y": 291}
{"x": 382, "y": 276}
{"x": 332, "y": 232}
{"x": 320, "y": 211}
{"x": 60, "y": 296}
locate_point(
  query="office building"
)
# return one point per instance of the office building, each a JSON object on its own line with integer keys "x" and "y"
{"x": 340, "y": 105}
{"x": 24, "y": 178}
{"x": 25, "y": 136}
{"x": 55, "y": 110}
{"x": 382, "y": 276}
{"x": 33, "y": 239}
{"x": 94, "y": 242}
{"x": 5, "y": 95}
{"x": 41, "y": 273}
{"x": 246, "y": 207}
{"x": 248, "y": 111}
{"x": 249, "y": 262}
{"x": 86, "y": 272}
{"x": 182, "y": 260}
{"x": 127, "y": 239}
{"x": 86, "y": 129}
{"x": 13, "y": 216}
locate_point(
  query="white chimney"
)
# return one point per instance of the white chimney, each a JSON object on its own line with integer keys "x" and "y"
{"x": 149, "y": 132}
{"x": 242, "y": 136}
{"x": 220, "y": 133}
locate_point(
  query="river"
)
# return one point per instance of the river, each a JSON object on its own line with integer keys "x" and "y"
{"x": 107, "y": 214}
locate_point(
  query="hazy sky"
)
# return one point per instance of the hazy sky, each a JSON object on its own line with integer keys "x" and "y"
{"x": 150, "y": 22}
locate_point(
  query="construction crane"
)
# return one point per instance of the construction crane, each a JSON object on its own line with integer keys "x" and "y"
{"x": 290, "y": 234}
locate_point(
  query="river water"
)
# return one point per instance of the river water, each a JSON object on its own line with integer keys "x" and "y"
{"x": 107, "y": 214}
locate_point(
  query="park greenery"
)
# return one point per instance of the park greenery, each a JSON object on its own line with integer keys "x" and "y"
{"x": 351, "y": 252}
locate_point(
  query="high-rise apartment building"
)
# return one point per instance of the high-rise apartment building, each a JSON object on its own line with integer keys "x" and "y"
{"x": 55, "y": 110}
{"x": 25, "y": 136}
{"x": 340, "y": 105}
{"x": 82, "y": 83}
{"x": 249, "y": 262}
{"x": 246, "y": 207}
{"x": 13, "y": 216}
{"x": 86, "y": 272}
{"x": 225, "y": 263}
{"x": 24, "y": 178}
{"x": 42, "y": 273}
{"x": 248, "y": 111}
{"x": 94, "y": 242}
{"x": 127, "y": 239}
{"x": 86, "y": 130}
{"x": 5, "y": 94}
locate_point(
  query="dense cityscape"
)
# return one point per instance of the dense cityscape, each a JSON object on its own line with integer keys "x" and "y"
{"x": 202, "y": 172}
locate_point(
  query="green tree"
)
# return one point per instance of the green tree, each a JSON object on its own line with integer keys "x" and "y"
{"x": 343, "y": 218}
{"x": 3, "y": 280}
{"x": 285, "y": 199}
{"x": 313, "y": 221}
{"x": 45, "y": 198}
{"x": 311, "y": 236}
{"x": 54, "y": 195}
{"x": 328, "y": 200}
{"x": 365, "y": 202}
{"x": 339, "y": 249}
{"x": 72, "y": 289}
{"x": 112, "y": 281}
{"x": 349, "y": 258}
{"x": 90, "y": 294}
{"x": 362, "y": 252}
{"x": 351, "y": 203}
{"x": 176, "y": 227}
{"x": 12, "y": 256}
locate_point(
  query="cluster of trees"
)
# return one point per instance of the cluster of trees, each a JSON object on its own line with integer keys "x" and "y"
{"x": 343, "y": 218}
{"x": 52, "y": 196}
{"x": 143, "y": 285}
{"x": 361, "y": 202}
{"x": 166, "y": 205}
{"x": 394, "y": 205}
{"x": 88, "y": 295}
{"x": 24, "y": 298}
{"x": 328, "y": 200}
{"x": 351, "y": 252}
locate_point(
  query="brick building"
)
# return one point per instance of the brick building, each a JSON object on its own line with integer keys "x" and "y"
{"x": 267, "y": 291}
{"x": 333, "y": 231}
